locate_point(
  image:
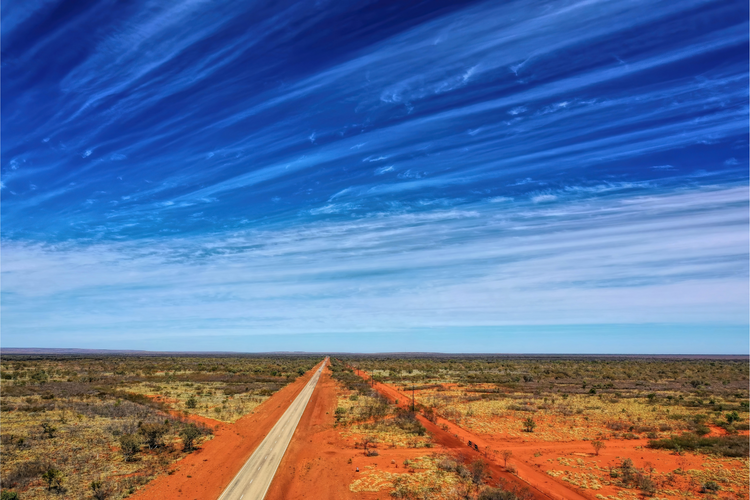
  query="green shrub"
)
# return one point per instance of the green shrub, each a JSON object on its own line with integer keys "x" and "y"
{"x": 99, "y": 490}
{"x": 529, "y": 425}
{"x": 49, "y": 430}
{"x": 129, "y": 445}
{"x": 189, "y": 434}
{"x": 728, "y": 446}
{"x": 54, "y": 479}
{"x": 153, "y": 434}
{"x": 710, "y": 487}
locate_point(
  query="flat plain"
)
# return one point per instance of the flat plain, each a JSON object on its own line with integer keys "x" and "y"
{"x": 107, "y": 426}
{"x": 444, "y": 427}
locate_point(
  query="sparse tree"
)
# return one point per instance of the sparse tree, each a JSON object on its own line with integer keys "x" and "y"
{"x": 100, "y": 490}
{"x": 598, "y": 446}
{"x": 53, "y": 478}
{"x": 153, "y": 434}
{"x": 529, "y": 425}
{"x": 367, "y": 441}
{"x": 479, "y": 470}
{"x": 506, "y": 454}
{"x": 129, "y": 445}
{"x": 189, "y": 434}
{"x": 49, "y": 430}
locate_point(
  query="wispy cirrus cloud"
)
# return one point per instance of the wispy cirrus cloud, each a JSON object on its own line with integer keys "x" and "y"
{"x": 618, "y": 253}
{"x": 580, "y": 158}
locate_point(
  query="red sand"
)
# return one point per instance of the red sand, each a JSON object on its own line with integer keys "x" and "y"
{"x": 541, "y": 485}
{"x": 316, "y": 464}
{"x": 205, "y": 473}
{"x": 531, "y": 459}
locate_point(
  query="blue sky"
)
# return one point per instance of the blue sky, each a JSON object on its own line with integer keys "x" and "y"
{"x": 376, "y": 176}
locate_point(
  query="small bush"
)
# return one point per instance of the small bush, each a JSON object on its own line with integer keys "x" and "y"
{"x": 430, "y": 415}
{"x": 129, "y": 445}
{"x": 24, "y": 473}
{"x": 100, "y": 491}
{"x": 54, "y": 479}
{"x": 154, "y": 434}
{"x": 48, "y": 430}
{"x": 496, "y": 494}
{"x": 710, "y": 487}
{"x": 189, "y": 434}
{"x": 529, "y": 425}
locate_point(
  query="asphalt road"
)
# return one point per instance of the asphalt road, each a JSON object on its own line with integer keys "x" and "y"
{"x": 252, "y": 482}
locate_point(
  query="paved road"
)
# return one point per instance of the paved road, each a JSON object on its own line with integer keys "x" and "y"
{"x": 252, "y": 482}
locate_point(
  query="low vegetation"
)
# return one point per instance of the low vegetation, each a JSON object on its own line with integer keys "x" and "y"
{"x": 695, "y": 407}
{"x": 101, "y": 427}
{"x": 442, "y": 477}
{"x": 726, "y": 446}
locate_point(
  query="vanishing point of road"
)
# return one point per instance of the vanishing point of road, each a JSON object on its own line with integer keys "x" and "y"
{"x": 253, "y": 481}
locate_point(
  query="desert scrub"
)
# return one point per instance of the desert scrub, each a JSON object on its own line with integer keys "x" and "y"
{"x": 400, "y": 431}
{"x": 85, "y": 447}
{"x": 359, "y": 408}
{"x": 205, "y": 399}
{"x": 76, "y": 415}
{"x": 571, "y": 419}
{"x": 728, "y": 446}
{"x": 427, "y": 480}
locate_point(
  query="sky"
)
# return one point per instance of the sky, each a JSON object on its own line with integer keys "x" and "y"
{"x": 511, "y": 177}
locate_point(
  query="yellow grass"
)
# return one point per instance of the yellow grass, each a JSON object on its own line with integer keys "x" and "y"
{"x": 210, "y": 401}
{"x": 84, "y": 448}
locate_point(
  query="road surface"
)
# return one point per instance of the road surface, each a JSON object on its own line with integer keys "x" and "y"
{"x": 252, "y": 482}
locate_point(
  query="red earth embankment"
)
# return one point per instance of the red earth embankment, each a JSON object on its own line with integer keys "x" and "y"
{"x": 203, "y": 474}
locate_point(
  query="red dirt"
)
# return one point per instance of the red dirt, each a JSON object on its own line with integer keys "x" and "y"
{"x": 205, "y": 473}
{"x": 541, "y": 485}
{"x": 533, "y": 459}
{"x": 316, "y": 464}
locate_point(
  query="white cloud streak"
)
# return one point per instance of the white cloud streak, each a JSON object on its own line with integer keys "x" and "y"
{"x": 679, "y": 257}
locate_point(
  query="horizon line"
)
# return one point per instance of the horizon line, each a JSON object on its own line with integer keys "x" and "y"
{"x": 140, "y": 352}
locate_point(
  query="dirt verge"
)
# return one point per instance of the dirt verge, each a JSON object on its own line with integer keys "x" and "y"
{"x": 205, "y": 473}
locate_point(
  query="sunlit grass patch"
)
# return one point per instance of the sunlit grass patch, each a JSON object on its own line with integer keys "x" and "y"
{"x": 205, "y": 399}
{"x": 83, "y": 445}
{"x": 427, "y": 480}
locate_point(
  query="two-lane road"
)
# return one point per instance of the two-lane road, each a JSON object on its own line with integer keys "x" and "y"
{"x": 252, "y": 482}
